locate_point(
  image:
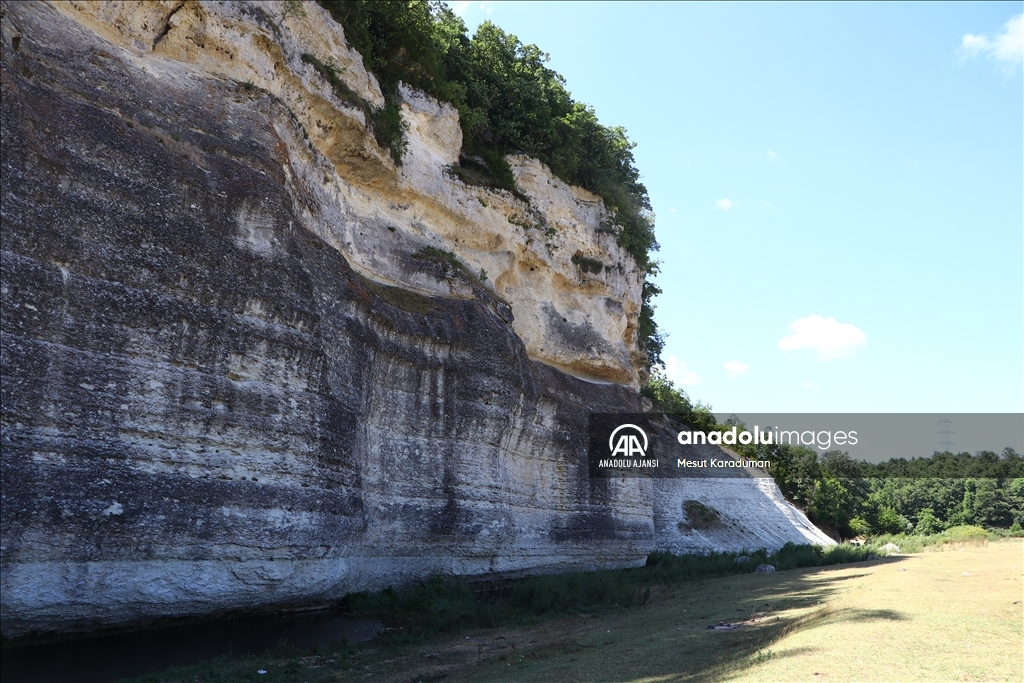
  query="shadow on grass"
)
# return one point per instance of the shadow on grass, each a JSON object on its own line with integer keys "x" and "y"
{"x": 715, "y": 655}
{"x": 869, "y": 615}
{"x": 765, "y": 655}
{"x": 563, "y": 631}
{"x": 811, "y": 586}
{"x": 673, "y": 639}
{"x": 829, "y": 570}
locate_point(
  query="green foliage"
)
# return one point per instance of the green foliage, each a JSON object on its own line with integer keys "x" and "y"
{"x": 928, "y": 523}
{"x": 982, "y": 465}
{"x": 389, "y": 129}
{"x": 666, "y": 398}
{"x": 385, "y": 122}
{"x": 831, "y": 502}
{"x": 650, "y": 339}
{"x": 794, "y": 468}
{"x": 698, "y": 516}
{"x": 955, "y": 536}
{"x": 329, "y": 70}
{"x": 964, "y": 534}
{"x": 989, "y": 506}
{"x": 490, "y": 170}
{"x": 923, "y": 495}
{"x": 859, "y": 526}
{"x": 889, "y": 521}
{"x": 290, "y": 9}
{"x": 700, "y": 512}
{"x": 508, "y": 101}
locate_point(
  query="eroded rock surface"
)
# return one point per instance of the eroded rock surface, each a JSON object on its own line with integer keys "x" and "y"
{"x": 232, "y": 376}
{"x": 353, "y": 196}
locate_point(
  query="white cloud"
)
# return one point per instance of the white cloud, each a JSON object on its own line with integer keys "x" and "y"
{"x": 460, "y": 6}
{"x": 671, "y": 210}
{"x": 772, "y": 155}
{"x": 827, "y": 337}
{"x": 724, "y": 204}
{"x": 809, "y": 385}
{"x": 1007, "y": 46}
{"x": 678, "y": 373}
{"x": 735, "y": 368}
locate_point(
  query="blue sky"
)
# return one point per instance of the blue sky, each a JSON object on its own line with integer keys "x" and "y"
{"x": 839, "y": 191}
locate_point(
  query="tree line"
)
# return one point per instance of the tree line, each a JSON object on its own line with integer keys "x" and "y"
{"x": 921, "y": 495}
{"x": 851, "y": 498}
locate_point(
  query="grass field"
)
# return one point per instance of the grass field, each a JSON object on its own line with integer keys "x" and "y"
{"x": 954, "y": 615}
{"x": 945, "y": 614}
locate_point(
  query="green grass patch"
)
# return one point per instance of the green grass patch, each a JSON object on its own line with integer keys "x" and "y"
{"x": 447, "y": 605}
{"x": 963, "y": 535}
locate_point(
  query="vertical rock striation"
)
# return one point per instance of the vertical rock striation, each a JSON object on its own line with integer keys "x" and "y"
{"x": 239, "y": 370}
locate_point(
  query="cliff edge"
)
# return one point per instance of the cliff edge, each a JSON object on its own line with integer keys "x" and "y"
{"x": 249, "y": 362}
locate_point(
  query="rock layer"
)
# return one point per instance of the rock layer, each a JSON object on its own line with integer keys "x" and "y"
{"x": 232, "y": 376}
{"x": 353, "y": 196}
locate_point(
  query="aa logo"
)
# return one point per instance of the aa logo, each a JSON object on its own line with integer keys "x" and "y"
{"x": 628, "y": 443}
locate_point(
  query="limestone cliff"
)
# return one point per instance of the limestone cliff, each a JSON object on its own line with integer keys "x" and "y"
{"x": 240, "y": 369}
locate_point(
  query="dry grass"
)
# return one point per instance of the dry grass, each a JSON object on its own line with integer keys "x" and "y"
{"x": 950, "y": 616}
{"x": 911, "y": 618}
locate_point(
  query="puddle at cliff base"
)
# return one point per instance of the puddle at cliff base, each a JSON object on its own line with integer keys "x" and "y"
{"x": 112, "y": 657}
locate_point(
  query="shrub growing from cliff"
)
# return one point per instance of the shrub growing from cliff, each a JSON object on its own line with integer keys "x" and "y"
{"x": 508, "y": 101}
{"x": 666, "y": 398}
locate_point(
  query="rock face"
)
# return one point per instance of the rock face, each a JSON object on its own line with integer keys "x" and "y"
{"x": 238, "y": 370}
{"x": 349, "y": 192}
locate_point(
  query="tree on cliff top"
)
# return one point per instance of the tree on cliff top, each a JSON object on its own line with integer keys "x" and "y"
{"x": 508, "y": 101}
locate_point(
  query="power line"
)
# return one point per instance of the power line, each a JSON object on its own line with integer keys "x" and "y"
{"x": 945, "y": 432}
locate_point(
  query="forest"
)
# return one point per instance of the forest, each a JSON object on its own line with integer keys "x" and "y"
{"x": 850, "y": 498}
{"x": 922, "y": 496}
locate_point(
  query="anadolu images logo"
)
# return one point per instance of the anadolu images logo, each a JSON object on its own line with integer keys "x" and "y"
{"x": 628, "y": 444}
